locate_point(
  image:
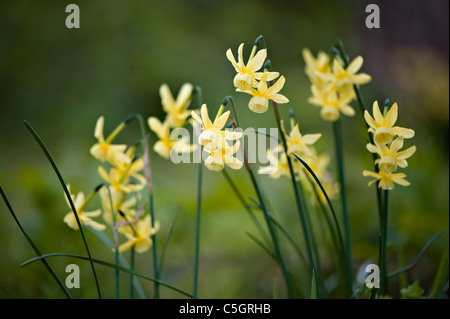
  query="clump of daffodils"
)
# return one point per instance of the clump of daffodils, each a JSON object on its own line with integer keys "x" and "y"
{"x": 119, "y": 194}
{"x": 249, "y": 79}
{"x": 332, "y": 84}
{"x": 388, "y": 140}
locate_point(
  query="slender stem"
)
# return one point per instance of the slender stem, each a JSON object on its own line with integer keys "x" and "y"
{"x": 273, "y": 235}
{"x": 337, "y": 129}
{"x": 197, "y": 93}
{"x": 301, "y": 212}
{"x": 290, "y": 287}
{"x": 243, "y": 202}
{"x": 333, "y": 212}
{"x": 144, "y": 143}
{"x": 383, "y": 244}
{"x": 116, "y": 250}
{"x": 132, "y": 259}
{"x": 197, "y": 229}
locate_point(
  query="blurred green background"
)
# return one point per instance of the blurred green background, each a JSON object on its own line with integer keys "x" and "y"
{"x": 61, "y": 80}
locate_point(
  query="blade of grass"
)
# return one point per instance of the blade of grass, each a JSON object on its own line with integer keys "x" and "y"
{"x": 69, "y": 198}
{"x": 440, "y": 275}
{"x": 263, "y": 246}
{"x": 333, "y": 213}
{"x": 339, "y": 147}
{"x": 122, "y": 260}
{"x": 33, "y": 245}
{"x": 419, "y": 256}
{"x": 110, "y": 265}
{"x": 313, "y": 286}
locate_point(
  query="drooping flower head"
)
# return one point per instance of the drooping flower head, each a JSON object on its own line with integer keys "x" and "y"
{"x": 212, "y": 135}
{"x": 103, "y": 150}
{"x": 259, "y": 103}
{"x": 85, "y": 217}
{"x": 176, "y": 110}
{"x": 247, "y": 74}
{"x": 382, "y": 127}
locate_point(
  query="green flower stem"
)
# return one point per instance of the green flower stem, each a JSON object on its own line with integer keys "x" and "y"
{"x": 306, "y": 233}
{"x": 273, "y": 234}
{"x": 147, "y": 167}
{"x": 333, "y": 212}
{"x": 197, "y": 93}
{"x": 197, "y": 229}
{"x": 337, "y": 130}
{"x": 290, "y": 287}
{"x": 244, "y": 203}
{"x": 32, "y": 244}
{"x": 132, "y": 259}
{"x": 116, "y": 249}
{"x": 69, "y": 198}
{"x": 383, "y": 244}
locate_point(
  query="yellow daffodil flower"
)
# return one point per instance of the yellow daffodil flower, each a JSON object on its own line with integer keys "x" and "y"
{"x": 331, "y": 103}
{"x": 297, "y": 143}
{"x": 104, "y": 150}
{"x": 138, "y": 236}
{"x": 278, "y": 163}
{"x": 387, "y": 180}
{"x": 212, "y": 135}
{"x": 247, "y": 75}
{"x": 223, "y": 155}
{"x": 84, "y": 217}
{"x": 176, "y": 109}
{"x": 164, "y": 146}
{"x": 120, "y": 181}
{"x": 340, "y": 77}
{"x": 119, "y": 202}
{"x": 314, "y": 66}
{"x": 382, "y": 127}
{"x": 389, "y": 158}
{"x": 259, "y": 103}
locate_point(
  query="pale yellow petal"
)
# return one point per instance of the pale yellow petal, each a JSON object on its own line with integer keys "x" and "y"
{"x": 258, "y": 60}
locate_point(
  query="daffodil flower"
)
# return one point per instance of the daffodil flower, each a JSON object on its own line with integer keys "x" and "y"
{"x": 223, "y": 155}
{"x": 176, "y": 109}
{"x": 119, "y": 202}
{"x": 297, "y": 143}
{"x": 212, "y": 135}
{"x": 247, "y": 75}
{"x": 382, "y": 127}
{"x": 104, "y": 150}
{"x": 390, "y": 158}
{"x": 387, "y": 180}
{"x": 340, "y": 77}
{"x": 259, "y": 103}
{"x": 139, "y": 236}
{"x": 165, "y": 144}
{"x": 331, "y": 103}
{"x": 84, "y": 217}
{"x": 278, "y": 163}
{"x": 313, "y": 66}
{"x": 120, "y": 182}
